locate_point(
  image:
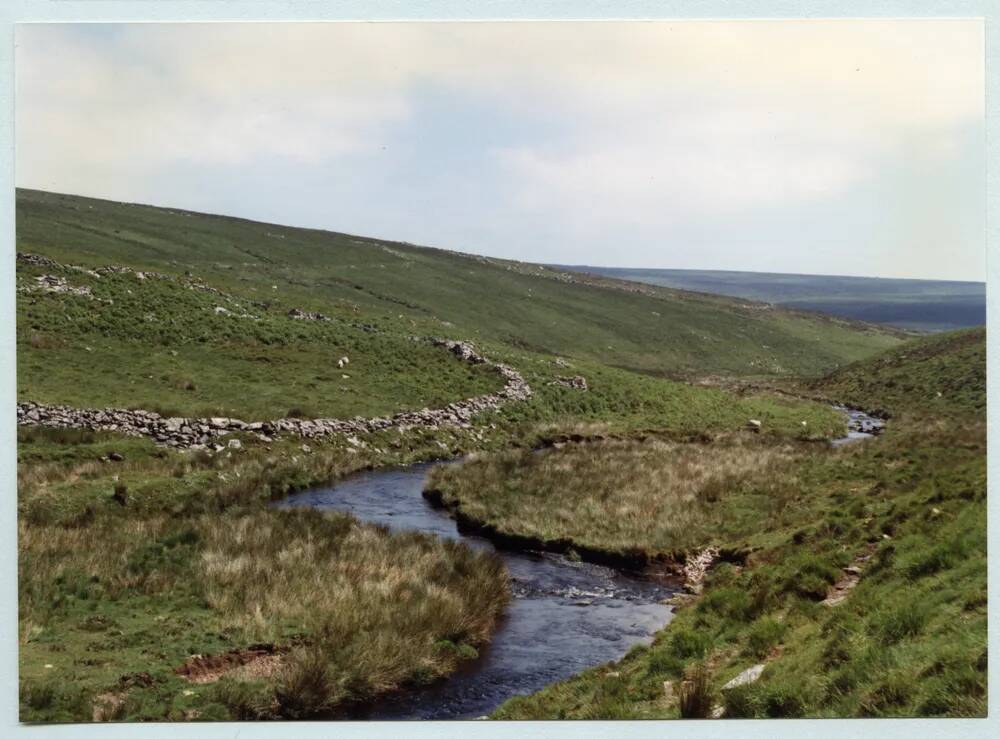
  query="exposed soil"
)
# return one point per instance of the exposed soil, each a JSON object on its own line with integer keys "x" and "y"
{"x": 253, "y": 663}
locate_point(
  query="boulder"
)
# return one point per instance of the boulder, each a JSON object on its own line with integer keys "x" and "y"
{"x": 174, "y": 424}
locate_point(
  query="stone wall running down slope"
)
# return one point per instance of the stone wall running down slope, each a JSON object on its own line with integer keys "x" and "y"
{"x": 197, "y": 433}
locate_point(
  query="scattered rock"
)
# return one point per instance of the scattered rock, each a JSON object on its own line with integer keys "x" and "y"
{"x": 852, "y": 575}
{"x": 36, "y": 260}
{"x": 53, "y": 284}
{"x": 301, "y": 315}
{"x": 749, "y": 675}
{"x": 235, "y": 444}
{"x": 577, "y": 382}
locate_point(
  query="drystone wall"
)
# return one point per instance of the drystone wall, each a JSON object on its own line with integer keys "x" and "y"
{"x": 199, "y": 433}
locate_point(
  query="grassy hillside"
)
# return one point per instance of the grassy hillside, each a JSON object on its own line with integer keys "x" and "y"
{"x": 400, "y": 286}
{"x": 864, "y": 592}
{"x": 161, "y": 345}
{"x": 943, "y": 374}
{"x": 139, "y": 562}
{"x": 136, "y": 559}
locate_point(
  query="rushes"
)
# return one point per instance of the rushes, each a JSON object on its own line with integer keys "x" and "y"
{"x": 367, "y": 611}
{"x": 289, "y": 565}
{"x": 696, "y": 694}
{"x": 616, "y": 495}
{"x": 375, "y": 605}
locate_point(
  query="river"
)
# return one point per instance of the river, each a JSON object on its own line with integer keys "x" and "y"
{"x": 565, "y": 615}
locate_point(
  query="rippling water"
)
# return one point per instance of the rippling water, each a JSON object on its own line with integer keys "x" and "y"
{"x": 565, "y": 616}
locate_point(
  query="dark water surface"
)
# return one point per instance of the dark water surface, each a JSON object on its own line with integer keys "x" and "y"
{"x": 564, "y": 617}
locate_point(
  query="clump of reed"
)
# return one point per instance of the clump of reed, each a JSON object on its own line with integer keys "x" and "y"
{"x": 617, "y": 495}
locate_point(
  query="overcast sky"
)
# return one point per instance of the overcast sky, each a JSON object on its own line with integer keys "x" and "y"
{"x": 826, "y": 147}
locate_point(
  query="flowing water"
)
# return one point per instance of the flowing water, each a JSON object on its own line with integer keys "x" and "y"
{"x": 860, "y": 426}
{"x": 565, "y": 615}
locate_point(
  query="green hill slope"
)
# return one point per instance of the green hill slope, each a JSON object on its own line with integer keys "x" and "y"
{"x": 653, "y": 330}
{"x": 944, "y": 373}
{"x": 114, "y": 529}
{"x": 864, "y": 593}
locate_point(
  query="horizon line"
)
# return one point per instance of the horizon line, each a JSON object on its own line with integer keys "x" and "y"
{"x": 404, "y": 242}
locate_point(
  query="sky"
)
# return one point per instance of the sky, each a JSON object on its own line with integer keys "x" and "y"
{"x": 817, "y": 147}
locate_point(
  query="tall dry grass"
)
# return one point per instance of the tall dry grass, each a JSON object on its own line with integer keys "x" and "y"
{"x": 382, "y": 608}
{"x": 617, "y": 495}
{"x": 375, "y": 610}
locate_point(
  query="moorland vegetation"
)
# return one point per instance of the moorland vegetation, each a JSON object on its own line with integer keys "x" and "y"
{"x": 158, "y": 583}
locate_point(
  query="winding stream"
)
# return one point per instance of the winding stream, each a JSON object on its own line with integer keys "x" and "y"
{"x": 565, "y": 616}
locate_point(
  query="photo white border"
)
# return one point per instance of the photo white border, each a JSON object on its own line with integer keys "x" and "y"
{"x": 14, "y": 11}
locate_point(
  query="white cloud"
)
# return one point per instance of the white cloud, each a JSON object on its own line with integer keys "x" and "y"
{"x": 683, "y": 166}
{"x": 165, "y": 95}
{"x": 619, "y": 125}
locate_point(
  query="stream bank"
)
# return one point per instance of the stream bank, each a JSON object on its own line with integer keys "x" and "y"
{"x": 568, "y": 613}
{"x": 565, "y": 615}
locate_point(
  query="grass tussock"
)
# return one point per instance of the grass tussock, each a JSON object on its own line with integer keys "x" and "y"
{"x": 364, "y": 611}
{"x": 696, "y": 697}
{"x": 376, "y": 605}
{"x": 909, "y": 640}
{"x": 656, "y": 495}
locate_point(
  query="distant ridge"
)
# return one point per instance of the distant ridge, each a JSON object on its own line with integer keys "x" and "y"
{"x": 905, "y": 303}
